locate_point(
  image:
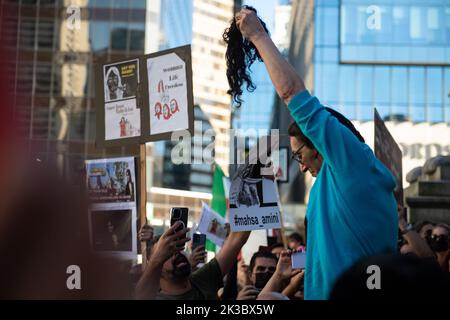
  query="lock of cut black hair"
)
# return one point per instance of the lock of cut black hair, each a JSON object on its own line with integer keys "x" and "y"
{"x": 240, "y": 55}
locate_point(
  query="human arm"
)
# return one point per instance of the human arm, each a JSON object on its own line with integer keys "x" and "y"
{"x": 231, "y": 247}
{"x": 283, "y": 75}
{"x": 282, "y": 272}
{"x": 169, "y": 244}
{"x": 294, "y": 284}
{"x": 418, "y": 245}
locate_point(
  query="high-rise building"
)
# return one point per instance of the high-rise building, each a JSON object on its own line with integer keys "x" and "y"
{"x": 58, "y": 44}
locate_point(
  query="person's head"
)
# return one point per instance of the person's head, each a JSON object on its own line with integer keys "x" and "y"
{"x": 128, "y": 173}
{"x": 177, "y": 268}
{"x": 304, "y": 151}
{"x": 113, "y": 80}
{"x": 400, "y": 277}
{"x": 439, "y": 238}
{"x": 276, "y": 249}
{"x": 295, "y": 240}
{"x": 424, "y": 228}
{"x": 262, "y": 266}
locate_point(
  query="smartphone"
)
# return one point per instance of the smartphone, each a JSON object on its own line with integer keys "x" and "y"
{"x": 179, "y": 214}
{"x": 198, "y": 240}
{"x": 298, "y": 260}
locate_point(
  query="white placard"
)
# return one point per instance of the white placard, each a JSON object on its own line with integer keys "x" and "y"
{"x": 253, "y": 194}
{"x": 257, "y": 238}
{"x": 168, "y": 94}
{"x": 213, "y": 225}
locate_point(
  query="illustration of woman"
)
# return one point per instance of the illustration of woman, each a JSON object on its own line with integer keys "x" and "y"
{"x": 129, "y": 188}
{"x": 123, "y": 127}
{"x": 167, "y": 113}
{"x": 113, "y": 85}
{"x": 112, "y": 236}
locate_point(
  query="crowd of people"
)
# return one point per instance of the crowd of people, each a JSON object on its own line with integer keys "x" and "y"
{"x": 419, "y": 269}
{"x": 353, "y": 227}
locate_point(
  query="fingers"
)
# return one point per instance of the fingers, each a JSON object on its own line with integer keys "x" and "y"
{"x": 181, "y": 242}
{"x": 199, "y": 249}
{"x": 295, "y": 272}
{"x": 171, "y": 233}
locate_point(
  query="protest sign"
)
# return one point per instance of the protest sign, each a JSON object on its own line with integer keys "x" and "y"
{"x": 253, "y": 194}
{"x": 212, "y": 225}
{"x": 121, "y": 113}
{"x": 170, "y": 98}
{"x": 111, "y": 180}
{"x": 113, "y": 230}
{"x": 256, "y": 239}
{"x": 145, "y": 98}
{"x": 389, "y": 153}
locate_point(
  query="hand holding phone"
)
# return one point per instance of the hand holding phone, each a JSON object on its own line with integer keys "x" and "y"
{"x": 298, "y": 260}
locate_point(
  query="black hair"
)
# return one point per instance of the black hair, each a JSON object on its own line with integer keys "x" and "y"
{"x": 276, "y": 245}
{"x": 295, "y": 236}
{"x": 240, "y": 55}
{"x": 422, "y": 223}
{"x": 261, "y": 254}
{"x": 295, "y": 131}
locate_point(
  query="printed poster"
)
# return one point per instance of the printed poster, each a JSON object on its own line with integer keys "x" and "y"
{"x": 168, "y": 94}
{"x": 122, "y": 116}
{"x": 111, "y": 180}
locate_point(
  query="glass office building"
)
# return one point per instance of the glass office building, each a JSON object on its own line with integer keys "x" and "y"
{"x": 392, "y": 55}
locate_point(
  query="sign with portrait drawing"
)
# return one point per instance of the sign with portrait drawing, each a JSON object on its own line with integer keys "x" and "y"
{"x": 253, "y": 194}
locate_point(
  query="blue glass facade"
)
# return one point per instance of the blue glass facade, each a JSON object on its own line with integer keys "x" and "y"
{"x": 256, "y": 110}
{"x": 399, "y": 64}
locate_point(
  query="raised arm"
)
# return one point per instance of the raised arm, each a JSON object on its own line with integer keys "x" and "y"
{"x": 231, "y": 247}
{"x": 285, "y": 79}
{"x": 169, "y": 244}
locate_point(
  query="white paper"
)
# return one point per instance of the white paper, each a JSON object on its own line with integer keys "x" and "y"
{"x": 213, "y": 225}
{"x": 168, "y": 101}
{"x": 257, "y": 238}
{"x": 122, "y": 119}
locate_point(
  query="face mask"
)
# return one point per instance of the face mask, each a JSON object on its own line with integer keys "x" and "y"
{"x": 439, "y": 244}
{"x": 262, "y": 278}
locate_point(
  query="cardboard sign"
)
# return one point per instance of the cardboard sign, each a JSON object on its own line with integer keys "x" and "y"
{"x": 389, "y": 153}
{"x": 253, "y": 194}
{"x": 213, "y": 225}
{"x": 146, "y": 98}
